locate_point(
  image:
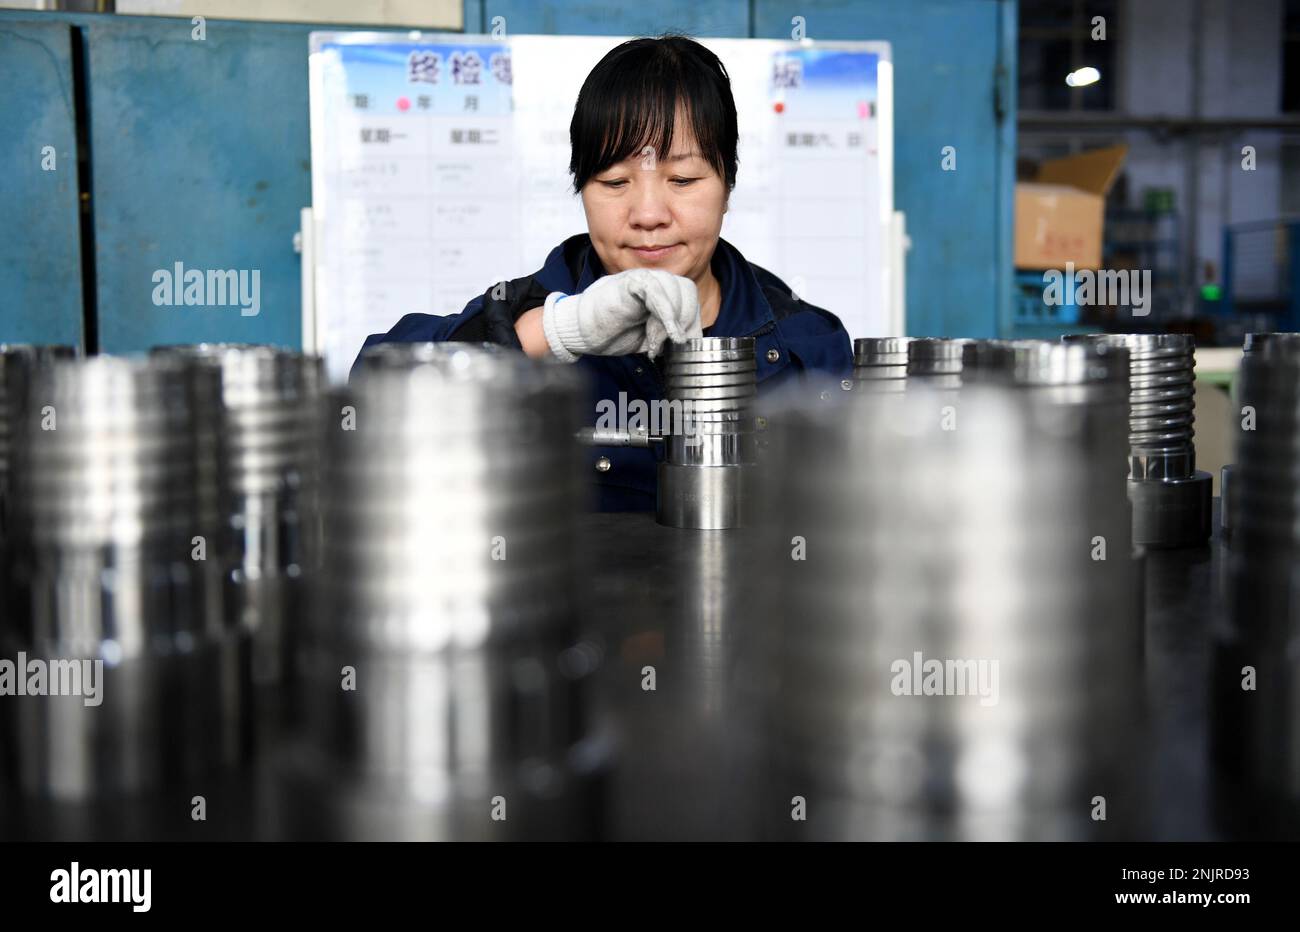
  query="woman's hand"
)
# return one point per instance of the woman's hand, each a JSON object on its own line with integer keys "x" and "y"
{"x": 630, "y": 312}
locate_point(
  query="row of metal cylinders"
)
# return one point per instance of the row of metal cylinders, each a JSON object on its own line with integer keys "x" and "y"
{"x": 1171, "y": 498}
{"x": 1159, "y": 369}
{"x": 436, "y": 653}
{"x": 372, "y": 582}
{"x": 159, "y": 519}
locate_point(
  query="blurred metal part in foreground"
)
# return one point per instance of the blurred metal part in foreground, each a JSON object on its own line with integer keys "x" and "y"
{"x": 1253, "y": 343}
{"x": 262, "y": 433}
{"x": 1257, "y": 676}
{"x": 441, "y": 677}
{"x": 106, "y": 572}
{"x": 947, "y": 639}
{"x": 711, "y": 383}
{"x": 18, "y": 362}
{"x": 1171, "y": 497}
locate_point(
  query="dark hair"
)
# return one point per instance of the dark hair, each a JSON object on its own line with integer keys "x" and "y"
{"x": 630, "y": 101}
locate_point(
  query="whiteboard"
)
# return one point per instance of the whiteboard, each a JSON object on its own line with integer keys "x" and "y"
{"x": 440, "y": 166}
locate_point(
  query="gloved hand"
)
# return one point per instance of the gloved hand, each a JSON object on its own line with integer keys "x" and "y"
{"x": 629, "y": 312}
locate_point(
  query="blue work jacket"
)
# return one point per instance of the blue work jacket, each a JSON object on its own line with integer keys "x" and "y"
{"x": 791, "y": 338}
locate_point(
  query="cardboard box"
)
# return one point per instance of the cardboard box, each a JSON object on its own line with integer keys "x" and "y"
{"x": 1059, "y": 214}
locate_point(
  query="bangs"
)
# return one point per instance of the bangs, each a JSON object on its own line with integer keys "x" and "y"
{"x": 634, "y": 97}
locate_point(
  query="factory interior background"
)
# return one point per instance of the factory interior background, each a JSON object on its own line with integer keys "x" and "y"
{"x": 1098, "y": 199}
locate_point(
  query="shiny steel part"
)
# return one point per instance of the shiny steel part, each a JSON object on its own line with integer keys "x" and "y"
{"x": 1260, "y": 727}
{"x": 449, "y": 591}
{"x": 1162, "y": 414}
{"x": 17, "y": 362}
{"x": 1161, "y": 379}
{"x": 1252, "y": 344}
{"x": 1089, "y": 385}
{"x": 266, "y": 484}
{"x": 963, "y": 548}
{"x": 1227, "y": 498}
{"x": 610, "y": 437}
{"x": 1255, "y": 342}
{"x": 935, "y": 361}
{"x": 711, "y": 383}
{"x": 1092, "y": 373}
{"x": 880, "y": 363}
{"x": 402, "y": 356}
{"x": 106, "y": 572}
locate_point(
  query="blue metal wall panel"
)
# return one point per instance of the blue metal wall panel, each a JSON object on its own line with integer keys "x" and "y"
{"x": 721, "y": 18}
{"x": 955, "y": 67}
{"x": 40, "y": 247}
{"x": 946, "y": 59}
{"x": 201, "y": 156}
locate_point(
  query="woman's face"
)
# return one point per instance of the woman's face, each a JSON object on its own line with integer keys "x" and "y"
{"x": 649, "y": 213}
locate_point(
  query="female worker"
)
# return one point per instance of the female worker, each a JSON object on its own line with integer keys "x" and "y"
{"x": 654, "y": 158}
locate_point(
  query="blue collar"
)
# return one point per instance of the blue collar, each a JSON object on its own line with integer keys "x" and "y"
{"x": 744, "y": 311}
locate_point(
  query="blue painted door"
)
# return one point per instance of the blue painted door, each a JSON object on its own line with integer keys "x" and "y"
{"x": 40, "y": 248}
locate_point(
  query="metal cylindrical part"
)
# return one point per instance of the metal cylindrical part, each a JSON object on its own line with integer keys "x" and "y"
{"x": 935, "y": 361}
{"x": 1258, "y": 729}
{"x": 448, "y": 589}
{"x": 1162, "y": 398}
{"x": 929, "y": 564}
{"x": 1253, "y": 343}
{"x": 1084, "y": 372}
{"x": 1257, "y": 342}
{"x": 404, "y": 355}
{"x": 18, "y": 362}
{"x": 710, "y": 386}
{"x": 880, "y": 363}
{"x": 261, "y": 431}
{"x": 112, "y": 576}
{"x": 1171, "y": 497}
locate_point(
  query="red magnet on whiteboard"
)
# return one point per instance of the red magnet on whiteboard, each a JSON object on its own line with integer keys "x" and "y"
{"x": 778, "y": 107}
{"x": 864, "y": 109}
{"x": 403, "y": 104}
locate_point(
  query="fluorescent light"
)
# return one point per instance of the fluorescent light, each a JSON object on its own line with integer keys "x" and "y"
{"x": 1083, "y": 77}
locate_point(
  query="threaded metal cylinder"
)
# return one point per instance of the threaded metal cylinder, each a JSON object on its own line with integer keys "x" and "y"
{"x": 17, "y": 363}
{"x": 1163, "y": 401}
{"x": 1171, "y": 497}
{"x": 266, "y": 483}
{"x": 110, "y": 570}
{"x": 449, "y": 587}
{"x": 710, "y": 387}
{"x": 880, "y": 363}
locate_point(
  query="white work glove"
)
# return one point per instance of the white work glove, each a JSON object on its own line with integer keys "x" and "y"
{"x": 630, "y": 312}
